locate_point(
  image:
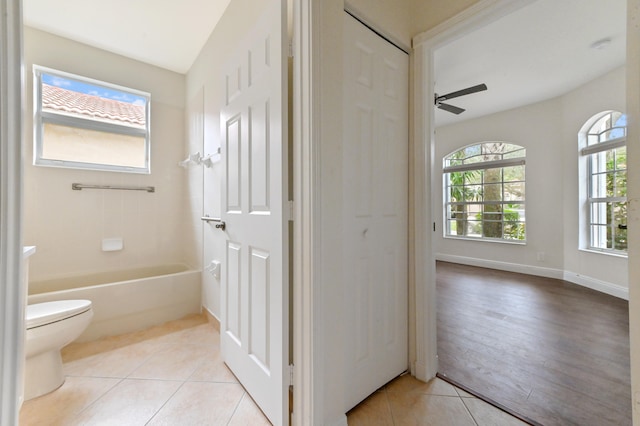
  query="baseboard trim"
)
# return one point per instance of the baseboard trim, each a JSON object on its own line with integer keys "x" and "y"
{"x": 572, "y": 277}
{"x": 598, "y": 285}
{"x": 502, "y": 266}
{"x": 211, "y": 318}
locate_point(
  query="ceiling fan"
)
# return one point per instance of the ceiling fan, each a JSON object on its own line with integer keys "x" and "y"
{"x": 454, "y": 109}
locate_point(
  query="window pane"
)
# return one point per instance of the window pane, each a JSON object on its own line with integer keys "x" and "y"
{"x": 472, "y": 192}
{"x": 474, "y": 228}
{"x": 598, "y": 162}
{"x": 456, "y": 178}
{"x": 492, "y": 175}
{"x": 619, "y": 184}
{"x": 490, "y": 148}
{"x": 65, "y": 143}
{"x": 472, "y": 151}
{"x": 493, "y": 192}
{"x": 492, "y": 214}
{"x": 88, "y": 124}
{"x": 452, "y": 162}
{"x": 514, "y": 191}
{"x": 599, "y": 185}
{"x": 514, "y": 231}
{"x": 515, "y": 173}
{"x": 612, "y": 134}
{"x": 619, "y": 219}
{"x": 451, "y": 227}
{"x": 478, "y": 197}
{"x": 599, "y": 236}
{"x": 473, "y": 177}
{"x": 611, "y": 164}
{"x": 621, "y": 157}
{"x": 608, "y": 181}
{"x": 599, "y": 213}
{"x": 75, "y": 98}
{"x": 492, "y": 229}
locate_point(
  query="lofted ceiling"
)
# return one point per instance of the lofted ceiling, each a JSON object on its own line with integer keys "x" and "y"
{"x": 166, "y": 33}
{"x": 538, "y": 52}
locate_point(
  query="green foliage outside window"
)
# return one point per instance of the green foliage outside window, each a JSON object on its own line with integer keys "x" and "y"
{"x": 487, "y": 202}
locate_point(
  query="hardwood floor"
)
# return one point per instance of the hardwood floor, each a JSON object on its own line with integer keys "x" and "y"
{"x": 549, "y": 350}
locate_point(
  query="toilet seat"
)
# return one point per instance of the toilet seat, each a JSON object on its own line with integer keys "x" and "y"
{"x": 45, "y": 313}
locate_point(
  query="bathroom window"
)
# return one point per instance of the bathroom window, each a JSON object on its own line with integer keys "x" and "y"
{"x": 88, "y": 124}
{"x": 484, "y": 192}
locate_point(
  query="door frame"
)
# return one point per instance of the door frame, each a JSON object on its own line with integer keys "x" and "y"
{"x": 425, "y": 44}
{"x": 481, "y": 14}
{"x": 307, "y": 334}
{"x": 11, "y": 182}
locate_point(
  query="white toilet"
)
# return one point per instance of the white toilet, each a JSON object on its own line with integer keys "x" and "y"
{"x": 50, "y": 327}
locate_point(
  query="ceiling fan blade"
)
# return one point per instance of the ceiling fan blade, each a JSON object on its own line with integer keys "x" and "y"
{"x": 463, "y": 92}
{"x": 454, "y": 109}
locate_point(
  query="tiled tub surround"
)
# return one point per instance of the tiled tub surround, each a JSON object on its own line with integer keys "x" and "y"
{"x": 127, "y": 301}
{"x": 173, "y": 374}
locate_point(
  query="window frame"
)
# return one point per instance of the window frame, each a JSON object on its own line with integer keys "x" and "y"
{"x": 40, "y": 118}
{"x": 478, "y": 166}
{"x": 588, "y": 152}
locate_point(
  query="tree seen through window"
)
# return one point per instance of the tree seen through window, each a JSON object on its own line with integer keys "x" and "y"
{"x": 485, "y": 192}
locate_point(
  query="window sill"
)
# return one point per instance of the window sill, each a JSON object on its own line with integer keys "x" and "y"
{"x": 605, "y": 252}
{"x": 487, "y": 240}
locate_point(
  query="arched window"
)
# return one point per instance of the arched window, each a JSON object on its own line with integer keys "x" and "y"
{"x": 605, "y": 152}
{"x": 484, "y": 194}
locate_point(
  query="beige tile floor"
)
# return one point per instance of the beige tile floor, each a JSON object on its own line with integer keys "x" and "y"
{"x": 407, "y": 401}
{"x": 173, "y": 375}
{"x": 166, "y": 375}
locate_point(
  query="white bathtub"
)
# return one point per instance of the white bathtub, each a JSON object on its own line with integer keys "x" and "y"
{"x": 126, "y": 301}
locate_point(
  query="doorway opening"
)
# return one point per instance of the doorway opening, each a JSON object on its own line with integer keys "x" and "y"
{"x": 551, "y": 249}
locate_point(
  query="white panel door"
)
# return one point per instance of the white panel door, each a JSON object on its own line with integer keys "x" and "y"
{"x": 254, "y": 291}
{"x": 375, "y": 167}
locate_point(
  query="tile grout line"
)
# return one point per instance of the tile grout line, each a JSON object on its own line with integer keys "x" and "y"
{"x": 101, "y": 396}
{"x": 386, "y": 398}
{"x": 468, "y": 410}
{"x": 235, "y": 410}
{"x": 164, "y": 403}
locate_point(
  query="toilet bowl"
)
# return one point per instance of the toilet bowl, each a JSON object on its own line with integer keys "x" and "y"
{"x": 50, "y": 327}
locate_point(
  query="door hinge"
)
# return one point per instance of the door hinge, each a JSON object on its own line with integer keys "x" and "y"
{"x": 291, "y": 377}
{"x": 291, "y": 49}
{"x": 292, "y": 210}
{"x": 434, "y": 227}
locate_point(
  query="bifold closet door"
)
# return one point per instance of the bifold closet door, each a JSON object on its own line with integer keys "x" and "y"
{"x": 375, "y": 197}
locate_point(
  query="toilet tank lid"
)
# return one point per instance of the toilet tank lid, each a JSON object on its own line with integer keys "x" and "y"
{"x": 40, "y": 314}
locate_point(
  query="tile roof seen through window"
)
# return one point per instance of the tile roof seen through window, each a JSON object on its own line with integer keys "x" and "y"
{"x": 63, "y": 101}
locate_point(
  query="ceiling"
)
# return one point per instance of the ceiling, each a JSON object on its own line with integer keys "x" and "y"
{"x": 538, "y": 52}
{"x": 166, "y": 33}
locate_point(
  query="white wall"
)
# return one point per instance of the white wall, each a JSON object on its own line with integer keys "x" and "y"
{"x": 68, "y": 226}
{"x": 552, "y": 204}
{"x": 578, "y": 106}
